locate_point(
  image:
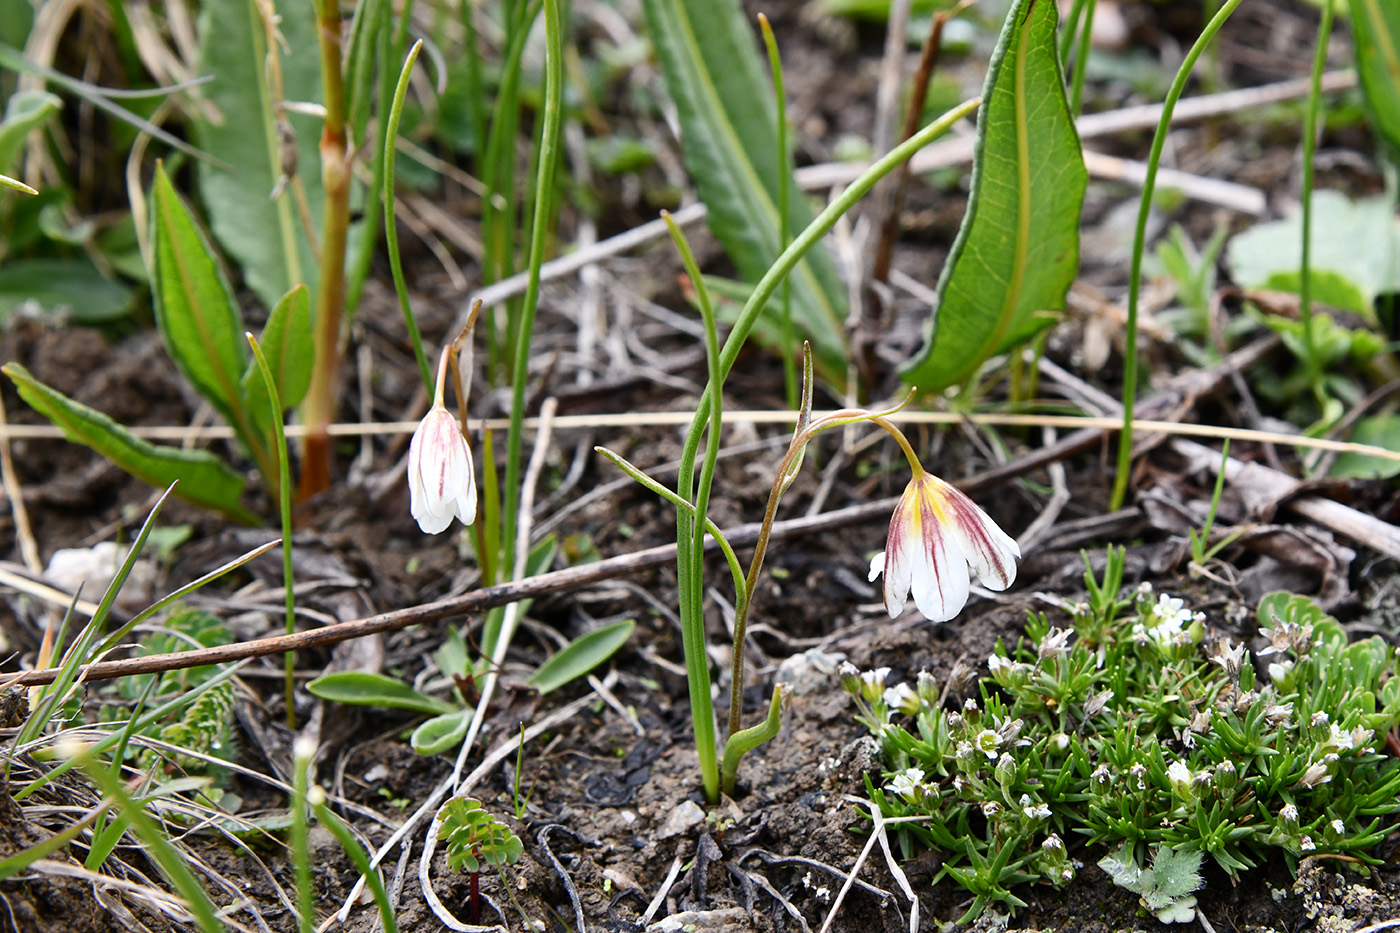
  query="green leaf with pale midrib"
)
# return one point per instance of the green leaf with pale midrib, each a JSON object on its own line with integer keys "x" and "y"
{"x": 238, "y": 125}
{"x": 365, "y": 688}
{"x": 581, "y": 655}
{"x": 729, "y": 137}
{"x": 1018, "y": 249}
{"x": 286, "y": 342}
{"x": 204, "y": 479}
{"x": 1376, "y": 32}
{"x": 195, "y": 310}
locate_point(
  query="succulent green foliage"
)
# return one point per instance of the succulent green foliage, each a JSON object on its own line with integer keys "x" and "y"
{"x": 1167, "y": 888}
{"x": 729, "y": 134}
{"x": 1018, "y": 250}
{"x": 206, "y": 728}
{"x": 184, "y": 629}
{"x": 1375, "y": 26}
{"x": 1126, "y": 730}
{"x": 474, "y": 837}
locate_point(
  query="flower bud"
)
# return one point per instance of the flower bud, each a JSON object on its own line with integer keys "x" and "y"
{"x": 850, "y": 678}
{"x": 1138, "y": 775}
{"x": 1101, "y": 780}
{"x": 1332, "y": 832}
{"x": 1179, "y": 775}
{"x": 957, "y": 727}
{"x": 1059, "y": 743}
{"x": 1288, "y": 818}
{"x": 927, "y": 689}
{"x": 1317, "y": 773}
{"x": 1006, "y": 772}
{"x": 1226, "y": 777}
{"x": 991, "y": 809}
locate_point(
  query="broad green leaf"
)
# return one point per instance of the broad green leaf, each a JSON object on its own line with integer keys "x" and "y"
{"x": 1355, "y": 252}
{"x": 203, "y": 478}
{"x": 1018, "y": 250}
{"x": 440, "y": 733}
{"x": 65, "y": 286}
{"x": 362, "y": 688}
{"x": 25, "y": 111}
{"x": 581, "y": 655}
{"x": 194, "y": 305}
{"x": 1375, "y": 29}
{"x": 286, "y": 342}
{"x": 263, "y": 235}
{"x": 1378, "y": 431}
{"x": 729, "y": 136}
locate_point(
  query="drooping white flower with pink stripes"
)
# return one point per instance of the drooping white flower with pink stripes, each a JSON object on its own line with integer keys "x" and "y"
{"x": 939, "y": 542}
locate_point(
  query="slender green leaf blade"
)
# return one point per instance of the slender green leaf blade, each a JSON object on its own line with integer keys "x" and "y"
{"x": 194, "y": 305}
{"x": 203, "y": 478}
{"x": 25, "y": 111}
{"x": 362, "y": 688}
{"x": 286, "y": 342}
{"x": 729, "y": 135}
{"x": 1018, "y": 250}
{"x": 581, "y": 655}
{"x": 239, "y": 127}
{"x": 67, "y": 286}
{"x": 1375, "y": 26}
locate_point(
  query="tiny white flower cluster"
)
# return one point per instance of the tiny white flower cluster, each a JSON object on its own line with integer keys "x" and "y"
{"x": 1167, "y": 623}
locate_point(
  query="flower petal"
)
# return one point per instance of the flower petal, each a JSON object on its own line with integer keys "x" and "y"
{"x": 901, "y": 551}
{"x": 991, "y": 553}
{"x": 940, "y": 575}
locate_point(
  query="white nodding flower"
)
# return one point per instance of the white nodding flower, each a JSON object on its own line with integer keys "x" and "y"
{"x": 441, "y": 479}
{"x": 939, "y": 539}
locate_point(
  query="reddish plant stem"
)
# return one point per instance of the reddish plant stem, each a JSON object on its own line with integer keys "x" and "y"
{"x": 319, "y": 407}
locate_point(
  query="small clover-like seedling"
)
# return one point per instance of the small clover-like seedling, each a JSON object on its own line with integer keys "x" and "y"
{"x": 475, "y": 837}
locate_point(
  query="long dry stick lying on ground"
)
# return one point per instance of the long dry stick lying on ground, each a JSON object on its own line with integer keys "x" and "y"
{"x": 1173, "y": 402}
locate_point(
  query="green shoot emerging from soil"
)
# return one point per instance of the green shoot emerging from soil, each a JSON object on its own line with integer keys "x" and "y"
{"x": 1127, "y": 731}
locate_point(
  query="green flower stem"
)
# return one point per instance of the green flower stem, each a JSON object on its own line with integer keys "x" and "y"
{"x": 539, "y": 234}
{"x": 391, "y": 225}
{"x": 301, "y": 838}
{"x": 285, "y": 504}
{"x": 319, "y": 406}
{"x": 782, "y": 480}
{"x": 740, "y": 744}
{"x": 1081, "y": 58}
{"x": 642, "y": 479}
{"x": 691, "y": 528}
{"x": 1312, "y": 361}
{"x": 689, "y": 566}
{"x": 1130, "y": 357}
{"x": 1068, "y": 27}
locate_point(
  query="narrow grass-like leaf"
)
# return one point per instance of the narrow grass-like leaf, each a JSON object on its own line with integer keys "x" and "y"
{"x": 263, "y": 234}
{"x": 55, "y": 693}
{"x": 1375, "y": 28}
{"x": 1018, "y": 250}
{"x": 24, "y": 858}
{"x": 203, "y": 478}
{"x": 158, "y": 845}
{"x": 357, "y": 856}
{"x": 728, "y": 132}
{"x": 363, "y": 688}
{"x": 195, "y": 309}
{"x": 581, "y": 655}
